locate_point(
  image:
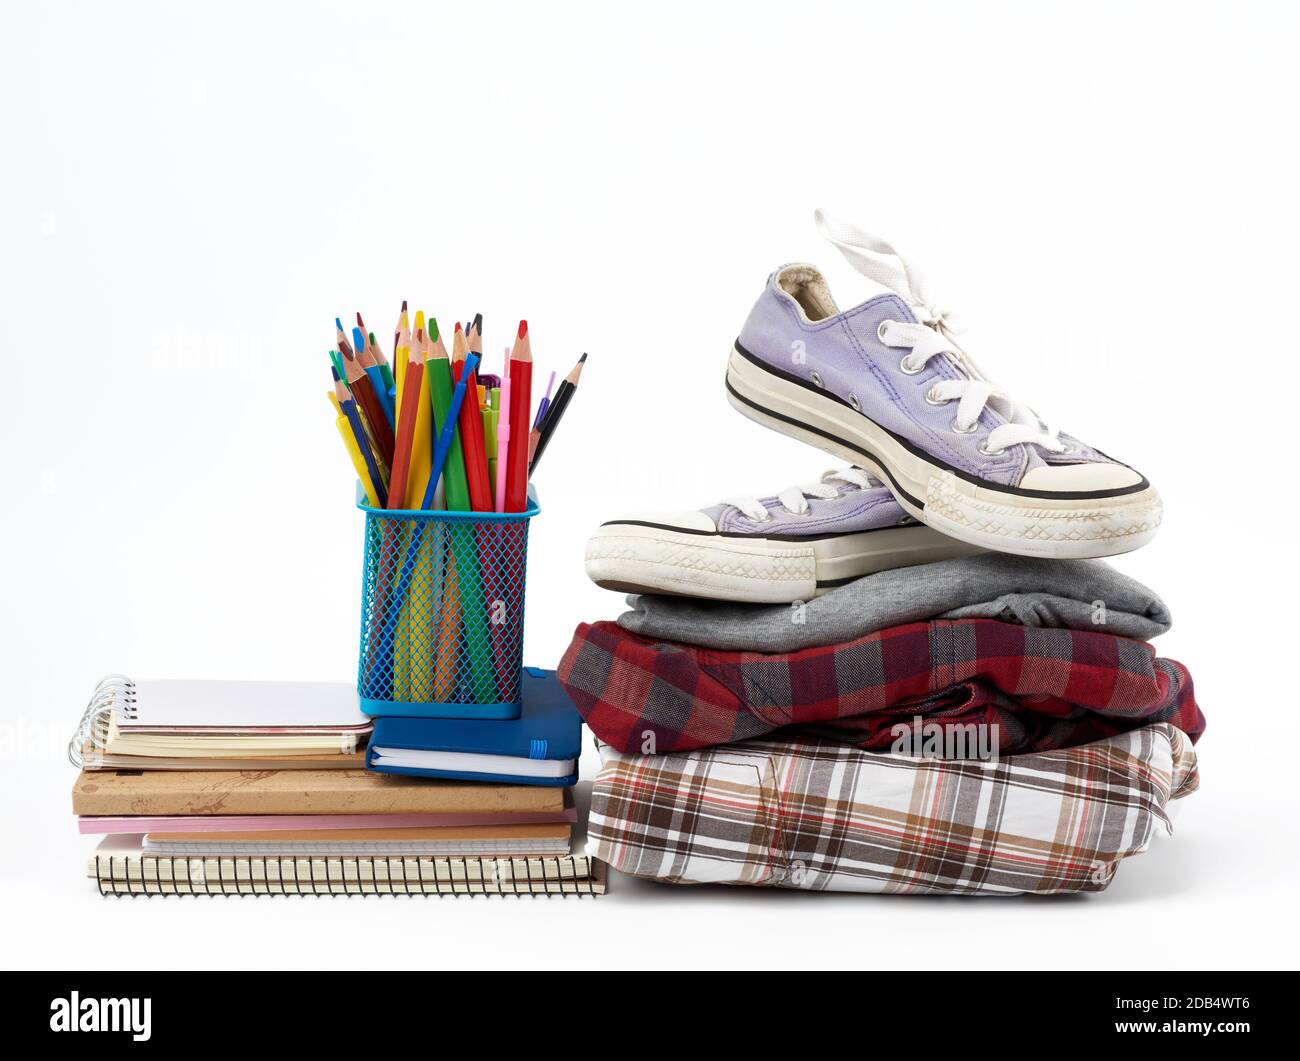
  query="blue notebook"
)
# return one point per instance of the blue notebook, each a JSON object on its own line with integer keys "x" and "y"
{"x": 540, "y": 747}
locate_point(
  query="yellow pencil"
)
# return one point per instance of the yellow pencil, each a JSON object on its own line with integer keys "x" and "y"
{"x": 354, "y": 453}
{"x": 417, "y": 476}
{"x": 401, "y": 351}
{"x": 402, "y": 631}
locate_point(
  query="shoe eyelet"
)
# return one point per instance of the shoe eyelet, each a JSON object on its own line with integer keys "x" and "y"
{"x": 817, "y": 380}
{"x": 984, "y": 449}
{"x": 932, "y": 400}
{"x": 958, "y": 429}
{"x": 880, "y": 332}
{"x": 853, "y": 401}
{"x": 906, "y": 366}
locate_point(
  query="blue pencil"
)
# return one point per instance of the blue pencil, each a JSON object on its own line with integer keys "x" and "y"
{"x": 376, "y": 374}
{"x": 442, "y": 445}
{"x": 349, "y": 409}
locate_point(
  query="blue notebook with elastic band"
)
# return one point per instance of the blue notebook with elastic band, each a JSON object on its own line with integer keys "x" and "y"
{"x": 540, "y": 747}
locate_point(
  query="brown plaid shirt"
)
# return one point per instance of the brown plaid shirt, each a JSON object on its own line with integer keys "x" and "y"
{"x": 828, "y": 817}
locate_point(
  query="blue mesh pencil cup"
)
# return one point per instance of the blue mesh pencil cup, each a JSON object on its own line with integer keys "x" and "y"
{"x": 442, "y": 612}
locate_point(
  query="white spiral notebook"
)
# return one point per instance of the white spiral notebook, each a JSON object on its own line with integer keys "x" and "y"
{"x": 172, "y": 721}
{"x": 120, "y": 867}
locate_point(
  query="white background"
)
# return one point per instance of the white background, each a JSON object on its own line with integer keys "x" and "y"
{"x": 191, "y": 193}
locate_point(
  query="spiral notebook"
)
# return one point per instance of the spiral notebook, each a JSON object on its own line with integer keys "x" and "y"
{"x": 211, "y": 724}
{"x": 491, "y": 841}
{"x": 120, "y": 867}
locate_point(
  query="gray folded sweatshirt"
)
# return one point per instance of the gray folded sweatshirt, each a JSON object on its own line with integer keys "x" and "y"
{"x": 1078, "y": 594}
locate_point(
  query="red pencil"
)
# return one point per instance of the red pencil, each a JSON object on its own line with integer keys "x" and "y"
{"x": 367, "y": 400}
{"x": 521, "y": 405}
{"x": 411, "y": 395}
{"x": 471, "y": 428}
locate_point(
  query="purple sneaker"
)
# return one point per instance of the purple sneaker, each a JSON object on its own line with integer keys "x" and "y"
{"x": 790, "y": 547}
{"x": 886, "y": 386}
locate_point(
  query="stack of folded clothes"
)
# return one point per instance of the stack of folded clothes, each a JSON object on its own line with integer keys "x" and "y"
{"x": 865, "y": 685}
{"x": 976, "y": 725}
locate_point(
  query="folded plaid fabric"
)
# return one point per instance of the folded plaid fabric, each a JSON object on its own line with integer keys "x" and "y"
{"x": 1042, "y": 688}
{"x": 827, "y": 817}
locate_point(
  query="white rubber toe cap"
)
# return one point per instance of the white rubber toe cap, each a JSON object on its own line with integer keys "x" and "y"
{"x": 687, "y": 521}
{"x": 1049, "y": 478}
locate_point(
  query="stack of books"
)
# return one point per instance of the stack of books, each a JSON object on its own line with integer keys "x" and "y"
{"x": 211, "y": 788}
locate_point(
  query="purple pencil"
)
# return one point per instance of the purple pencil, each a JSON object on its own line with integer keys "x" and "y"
{"x": 544, "y": 404}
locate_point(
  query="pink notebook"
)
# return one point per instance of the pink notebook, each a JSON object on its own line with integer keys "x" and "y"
{"x": 271, "y": 822}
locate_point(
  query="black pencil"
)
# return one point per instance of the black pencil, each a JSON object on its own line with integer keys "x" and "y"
{"x": 563, "y": 395}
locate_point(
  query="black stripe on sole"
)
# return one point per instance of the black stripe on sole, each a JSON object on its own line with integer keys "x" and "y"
{"x": 794, "y": 538}
{"x": 916, "y": 451}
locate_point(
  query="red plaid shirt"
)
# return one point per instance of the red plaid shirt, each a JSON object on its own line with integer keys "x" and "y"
{"x": 1043, "y": 688}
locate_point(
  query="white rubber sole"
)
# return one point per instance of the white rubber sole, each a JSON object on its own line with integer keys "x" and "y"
{"x": 636, "y": 558}
{"x": 1059, "y": 527}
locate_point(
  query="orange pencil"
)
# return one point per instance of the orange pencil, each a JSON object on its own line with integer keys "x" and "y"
{"x": 521, "y": 404}
{"x": 449, "y": 631}
{"x": 412, "y": 393}
{"x": 471, "y": 428}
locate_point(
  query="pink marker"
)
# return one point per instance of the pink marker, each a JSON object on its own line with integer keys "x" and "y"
{"x": 503, "y": 442}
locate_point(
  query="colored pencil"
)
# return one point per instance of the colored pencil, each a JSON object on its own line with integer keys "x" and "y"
{"x": 438, "y": 368}
{"x": 354, "y": 440}
{"x": 536, "y": 433}
{"x": 562, "y": 398}
{"x": 471, "y": 426}
{"x": 425, "y": 596}
{"x": 402, "y": 331}
{"x": 449, "y": 632}
{"x": 401, "y": 348}
{"x": 422, "y": 443}
{"x": 412, "y": 395}
{"x": 545, "y": 403}
{"x": 521, "y": 399}
{"x": 384, "y": 367}
{"x": 389, "y": 379}
{"x": 377, "y": 429}
{"x": 447, "y": 436}
{"x": 367, "y": 360}
{"x": 405, "y": 641}
{"x": 336, "y": 359}
{"x": 340, "y": 336}
{"x": 425, "y": 607}
{"x": 508, "y": 540}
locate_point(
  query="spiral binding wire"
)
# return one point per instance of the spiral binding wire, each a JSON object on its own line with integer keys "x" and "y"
{"x": 121, "y": 875}
{"x": 115, "y": 691}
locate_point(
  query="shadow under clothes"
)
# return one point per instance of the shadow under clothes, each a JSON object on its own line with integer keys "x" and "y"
{"x": 1071, "y": 594}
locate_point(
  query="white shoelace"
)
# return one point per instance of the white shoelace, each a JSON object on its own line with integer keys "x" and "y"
{"x": 879, "y": 261}
{"x": 795, "y": 498}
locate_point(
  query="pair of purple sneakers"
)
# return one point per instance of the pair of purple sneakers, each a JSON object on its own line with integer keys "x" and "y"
{"x": 945, "y": 461}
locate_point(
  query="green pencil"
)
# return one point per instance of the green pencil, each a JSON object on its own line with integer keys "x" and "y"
{"x": 337, "y": 360}
{"x": 437, "y": 370}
